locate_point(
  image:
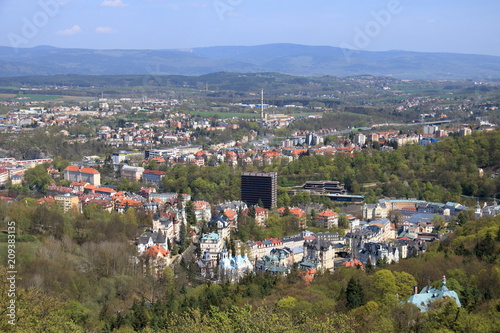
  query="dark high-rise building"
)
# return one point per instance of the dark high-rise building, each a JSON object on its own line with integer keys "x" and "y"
{"x": 259, "y": 185}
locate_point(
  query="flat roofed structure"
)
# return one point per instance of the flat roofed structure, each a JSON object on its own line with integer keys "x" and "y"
{"x": 261, "y": 186}
{"x": 325, "y": 187}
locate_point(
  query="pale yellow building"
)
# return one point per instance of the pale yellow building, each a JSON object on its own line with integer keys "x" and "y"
{"x": 67, "y": 201}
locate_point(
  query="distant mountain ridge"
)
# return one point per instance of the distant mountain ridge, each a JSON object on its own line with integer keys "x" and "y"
{"x": 283, "y": 58}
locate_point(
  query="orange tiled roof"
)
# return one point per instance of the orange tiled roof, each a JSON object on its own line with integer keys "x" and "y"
{"x": 72, "y": 168}
{"x": 298, "y": 151}
{"x": 200, "y": 205}
{"x": 105, "y": 189}
{"x": 48, "y": 200}
{"x": 272, "y": 154}
{"x": 297, "y": 212}
{"x": 130, "y": 202}
{"x": 353, "y": 263}
{"x": 230, "y": 213}
{"x": 327, "y": 213}
{"x": 153, "y": 251}
{"x": 89, "y": 170}
{"x": 75, "y": 168}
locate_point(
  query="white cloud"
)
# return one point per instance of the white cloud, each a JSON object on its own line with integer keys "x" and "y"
{"x": 71, "y": 31}
{"x": 105, "y": 30}
{"x": 113, "y": 3}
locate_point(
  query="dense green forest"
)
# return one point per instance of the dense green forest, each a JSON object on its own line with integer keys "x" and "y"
{"x": 76, "y": 274}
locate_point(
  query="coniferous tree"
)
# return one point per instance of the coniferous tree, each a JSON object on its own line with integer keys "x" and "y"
{"x": 355, "y": 294}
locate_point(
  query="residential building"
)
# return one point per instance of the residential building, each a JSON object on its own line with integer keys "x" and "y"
{"x": 76, "y": 174}
{"x": 464, "y": 131}
{"x": 297, "y": 212}
{"x": 105, "y": 191}
{"x": 122, "y": 156}
{"x": 261, "y": 215}
{"x": 277, "y": 262}
{"x": 151, "y": 239}
{"x": 132, "y": 173}
{"x": 4, "y": 176}
{"x": 78, "y": 186}
{"x": 153, "y": 176}
{"x": 202, "y": 211}
{"x": 318, "y": 254}
{"x": 212, "y": 244}
{"x": 375, "y": 252}
{"x": 154, "y": 261}
{"x": 360, "y": 139}
{"x": 328, "y": 219}
{"x": 164, "y": 197}
{"x": 67, "y": 201}
{"x": 232, "y": 215}
{"x": 223, "y": 225}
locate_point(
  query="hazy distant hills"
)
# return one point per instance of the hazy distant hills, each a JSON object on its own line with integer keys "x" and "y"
{"x": 283, "y": 58}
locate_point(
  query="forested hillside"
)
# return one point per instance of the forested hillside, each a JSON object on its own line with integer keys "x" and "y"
{"x": 87, "y": 284}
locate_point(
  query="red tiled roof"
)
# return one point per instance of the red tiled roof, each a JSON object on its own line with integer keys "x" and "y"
{"x": 260, "y": 210}
{"x": 154, "y": 172}
{"x": 274, "y": 240}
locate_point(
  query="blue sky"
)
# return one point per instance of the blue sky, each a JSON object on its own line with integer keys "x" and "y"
{"x": 462, "y": 26}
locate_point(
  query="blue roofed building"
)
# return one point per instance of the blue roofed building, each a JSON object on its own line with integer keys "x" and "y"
{"x": 233, "y": 268}
{"x": 429, "y": 294}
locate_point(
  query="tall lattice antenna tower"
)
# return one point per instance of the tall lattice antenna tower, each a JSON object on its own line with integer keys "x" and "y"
{"x": 262, "y": 104}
